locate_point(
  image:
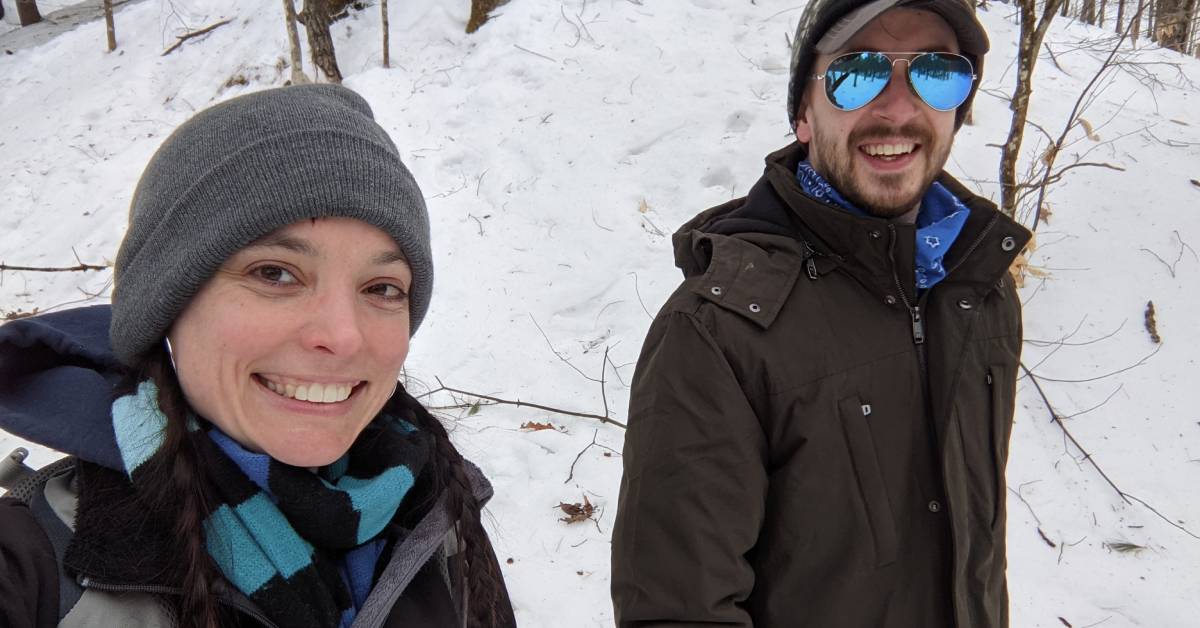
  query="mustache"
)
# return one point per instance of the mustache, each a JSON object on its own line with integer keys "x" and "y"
{"x": 914, "y": 130}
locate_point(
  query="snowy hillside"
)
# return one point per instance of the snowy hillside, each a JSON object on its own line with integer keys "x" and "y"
{"x": 560, "y": 146}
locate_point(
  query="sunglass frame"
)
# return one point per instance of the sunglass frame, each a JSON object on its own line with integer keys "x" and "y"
{"x": 893, "y": 58}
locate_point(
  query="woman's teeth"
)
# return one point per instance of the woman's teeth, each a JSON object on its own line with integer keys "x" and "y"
{"x": 313, "y": 393}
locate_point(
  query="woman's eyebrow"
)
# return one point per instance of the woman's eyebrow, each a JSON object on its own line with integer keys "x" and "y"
{"x": 389, "y": 257}
{"x": 291, "y": 243}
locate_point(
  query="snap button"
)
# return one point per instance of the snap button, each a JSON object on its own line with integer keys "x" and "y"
{"x": 964, "y": 304}
{"x": 1008, "y": 243}
{"x": 754, "y": 308}
{"x": 716, "y": 290}
{"x": 875, "y": 234}
{"x": 935, "y": 506}
{"x": 889, "y": 299}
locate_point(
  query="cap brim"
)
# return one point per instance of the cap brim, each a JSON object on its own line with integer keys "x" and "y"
{"x": 972, "y": 39}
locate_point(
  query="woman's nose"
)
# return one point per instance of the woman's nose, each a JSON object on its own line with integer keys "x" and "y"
{"x": 333, "y": 324}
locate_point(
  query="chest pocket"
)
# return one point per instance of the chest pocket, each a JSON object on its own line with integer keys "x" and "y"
{"x": 1001, "y": 390}
{"x": 854, "y": 414}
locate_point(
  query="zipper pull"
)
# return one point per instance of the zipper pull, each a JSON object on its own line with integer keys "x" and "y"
{"x": 918, "y": 325}
{"x": 812, "y": 268}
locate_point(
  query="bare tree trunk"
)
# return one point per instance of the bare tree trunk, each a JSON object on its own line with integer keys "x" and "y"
{"x": 1121, "y": 18}
{"x": 1033, "y": 31}
{"x": 1172, "y": 23}
{"x": 387, "y": 63}
{"x": 1103, "y": 6}
{"x": 289, "y": 14}
{"x": 1151, "y": 28}
{"x": 27, "y": 12}
{"x": 316, "y": 18}
{"x": 110, "y": 28}
{"x": 1087, "y": 11}
{"x": 479, "y": 13}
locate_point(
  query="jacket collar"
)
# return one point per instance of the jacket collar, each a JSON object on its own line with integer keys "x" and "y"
{"x": 864, "y": 246}
{"x": 990, "y": 239}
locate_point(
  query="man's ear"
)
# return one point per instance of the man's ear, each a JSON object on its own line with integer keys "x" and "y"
{"x": 803, "y": 122}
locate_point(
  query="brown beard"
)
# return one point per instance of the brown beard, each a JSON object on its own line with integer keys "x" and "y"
{"x": 838, "y": 168}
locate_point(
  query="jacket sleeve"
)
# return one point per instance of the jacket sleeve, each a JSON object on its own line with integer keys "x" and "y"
{"x": 28, "y": 570}
{"x": 693, "y": 494}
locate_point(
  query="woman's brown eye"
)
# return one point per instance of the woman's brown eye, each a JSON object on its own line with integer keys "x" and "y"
{"x": 275, "y": 275}
{"x": 389, "y": 291}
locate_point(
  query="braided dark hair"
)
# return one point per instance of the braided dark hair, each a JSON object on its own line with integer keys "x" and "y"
{"x": 488, "y": 604}
{"x": 183, "y": 493}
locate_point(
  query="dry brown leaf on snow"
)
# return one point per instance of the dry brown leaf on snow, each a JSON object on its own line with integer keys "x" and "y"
{"x": 643, "y": 206}
{"x": 577, "y": 512}
{"x": 534, "y": 426}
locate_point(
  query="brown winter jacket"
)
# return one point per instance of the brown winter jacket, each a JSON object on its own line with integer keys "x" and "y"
{"x": 810, "y": 443}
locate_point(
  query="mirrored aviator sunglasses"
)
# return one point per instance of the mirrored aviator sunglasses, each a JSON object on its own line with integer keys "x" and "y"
{"x": 942, "y": 79}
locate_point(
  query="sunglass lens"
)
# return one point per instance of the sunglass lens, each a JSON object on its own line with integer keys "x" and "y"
{"x": 854, "y": 80}
{"x": 943, "y": 81}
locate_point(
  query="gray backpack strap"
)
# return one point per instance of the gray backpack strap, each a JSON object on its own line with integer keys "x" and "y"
{"x": 31, "y": 490}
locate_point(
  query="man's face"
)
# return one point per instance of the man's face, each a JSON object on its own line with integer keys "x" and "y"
{"x": 845, "y": 146}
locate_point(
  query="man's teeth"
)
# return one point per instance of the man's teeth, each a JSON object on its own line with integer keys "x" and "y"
{"x": 888, "y": 150}
{"x": 313, "y": 393}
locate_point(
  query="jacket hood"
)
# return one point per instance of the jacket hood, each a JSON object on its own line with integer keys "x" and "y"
{"x": 57, "y": 379}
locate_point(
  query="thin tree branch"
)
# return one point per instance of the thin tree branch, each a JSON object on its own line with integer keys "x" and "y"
{"x": 519, "y": 403}
{"x": 81, "y": 267}
{"x": 186, "y": 36}
{"x": 1099, "y": 377}
{"x": 1067, "y": 432}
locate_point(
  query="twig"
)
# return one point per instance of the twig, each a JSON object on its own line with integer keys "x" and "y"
{"x": 519, "y": 403}
{"x": 186, "y": 36}
{"x": 557, "y": 354}
{"x": 1062, "y": 548}
{"x": 603, "y": 368}
{"x": 597, "y": 222}
{"x": 1035, "y": 517}
{"x": 1066, "y": 431}
{"x": 81, "y": 267}
{"x": 1099, "y": 405}
{"x": 639, "y": 296}
{"x": 617, "y": 372}
{"x": 1172, "y": 266}
{"x": 1160, "y": 515}
{"x": 1054, "y": 58}
{"x": 537, "y": 54}
{"x": 1099, "y": 377}
{"x": 1062, "y": 341}
{"x": 479, "y": 181}
{"x": 571, "y": 475}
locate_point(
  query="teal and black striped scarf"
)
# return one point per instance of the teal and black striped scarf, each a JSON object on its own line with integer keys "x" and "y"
{"x": 302, "y": 546}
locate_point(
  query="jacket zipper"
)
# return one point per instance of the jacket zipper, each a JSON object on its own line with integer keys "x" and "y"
{"x": 918, "y": 330}
{"x": 89, "y": 583}
{"x": 914, "y": 310}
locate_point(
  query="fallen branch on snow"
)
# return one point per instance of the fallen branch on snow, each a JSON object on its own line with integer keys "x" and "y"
{"x": 186, "y": 36}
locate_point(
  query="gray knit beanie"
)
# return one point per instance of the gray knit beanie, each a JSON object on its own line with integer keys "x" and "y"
{"x": 242, "y": 169}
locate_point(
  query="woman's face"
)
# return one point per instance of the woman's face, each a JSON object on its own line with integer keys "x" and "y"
{"x": 297, "y": 341}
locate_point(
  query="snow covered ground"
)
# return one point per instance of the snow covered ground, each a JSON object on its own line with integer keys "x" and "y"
{"x": 560, "y": 146}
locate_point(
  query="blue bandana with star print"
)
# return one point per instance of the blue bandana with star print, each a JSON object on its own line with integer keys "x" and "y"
{"x": 939, "y": 221}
